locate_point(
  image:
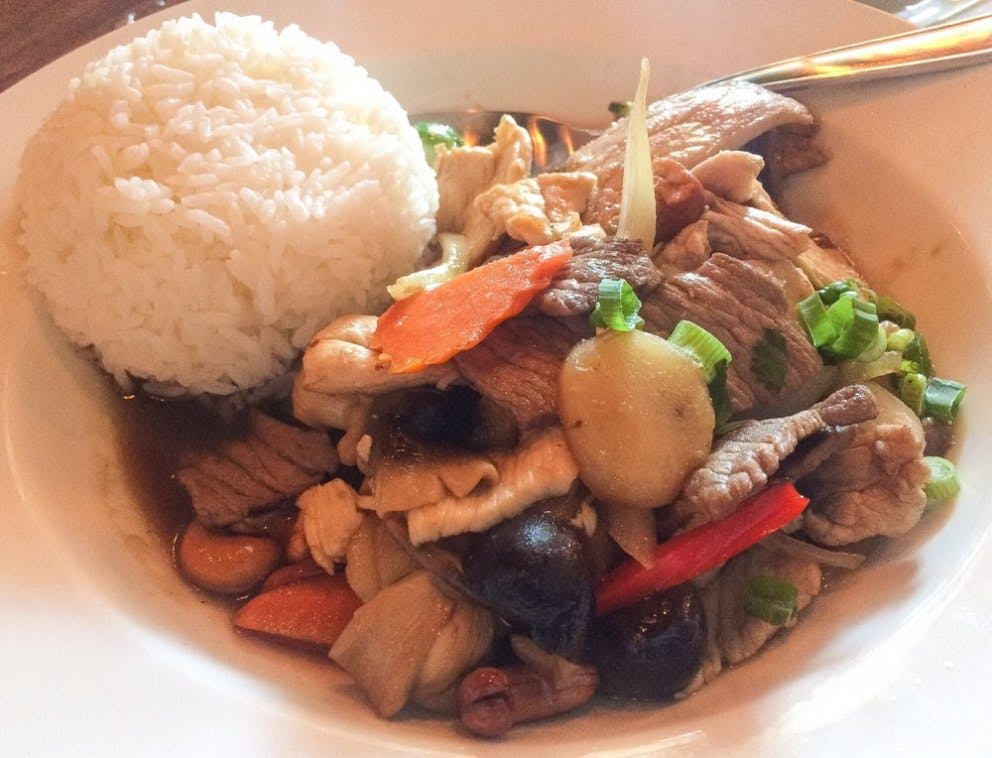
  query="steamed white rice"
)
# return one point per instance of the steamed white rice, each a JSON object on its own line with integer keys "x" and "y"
{"x": 209, "y": 196}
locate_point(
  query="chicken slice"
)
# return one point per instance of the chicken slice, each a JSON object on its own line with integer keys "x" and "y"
{"x": 731, "y": 174}
{"x": 874, "y": 485}
{"x": 539, "y": 468}
{"x": 741, "y": 635}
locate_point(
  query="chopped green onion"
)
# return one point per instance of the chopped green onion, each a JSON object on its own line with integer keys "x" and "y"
{"x": 617, "y": 307}
{"x": 771, "y": 599}
{"x": 830, "y": 294}
{"x": 433, "y": 135}
{"x": 943, "y": 483}
{"x": 769, "y": 359}
{"x": 856, "y": 323}
{"x": 911, "y": 391}
{"x": 899, "y": 339}
{"x": 620, "y": 108}
{"x": 708, "y": 351}
{"x": 720, "y": 398}
{"x": 876, "y": 348}
{"x": 818, "y": 325}
{"x": 890, "y": 310}
{"x": 942, "y": 398}
{"x": 858, "y": 372}
{"x": 917, "y": 352}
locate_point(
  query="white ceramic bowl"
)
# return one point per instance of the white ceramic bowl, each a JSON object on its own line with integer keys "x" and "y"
{"x": 104, "y": 649}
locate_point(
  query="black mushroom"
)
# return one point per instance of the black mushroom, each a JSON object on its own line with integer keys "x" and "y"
{"x": 532, "y": 570}
{"x": 651, "y": 649}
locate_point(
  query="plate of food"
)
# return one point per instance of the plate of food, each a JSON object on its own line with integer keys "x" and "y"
{"x": 330, "y": 428}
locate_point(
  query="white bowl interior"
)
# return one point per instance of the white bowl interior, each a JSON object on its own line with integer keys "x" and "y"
{"x": 900, "y": 200}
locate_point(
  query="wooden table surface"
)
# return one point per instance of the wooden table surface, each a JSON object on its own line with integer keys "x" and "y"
{"x": 35, "y": 32}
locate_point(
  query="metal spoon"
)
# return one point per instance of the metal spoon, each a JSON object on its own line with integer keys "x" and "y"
{"x": 937, "y": 48}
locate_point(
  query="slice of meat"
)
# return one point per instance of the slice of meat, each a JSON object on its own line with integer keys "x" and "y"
{"x": 306, "y": 448}
{"x": 874, "y": 485}
{"x": 687, "y": 250}
{"x": 575, "y": 288}
{"x": 538, "y": 210}
{"x": 274, "y": 463}
{"x": 678, "y": 195}
{"x": 693, "y": 125}
{"x": 741, "y": 635}
{"x": 745, "y": 308}
{"x": 539, "y": 468}
{"x": 746, "y": 232}
{"x": 743, "y": 460}
{"x": 517, "y": 365}
{"x": 731, "y": 174}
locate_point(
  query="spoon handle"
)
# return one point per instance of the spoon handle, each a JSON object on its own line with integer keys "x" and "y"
{"x": 937, "y": 48}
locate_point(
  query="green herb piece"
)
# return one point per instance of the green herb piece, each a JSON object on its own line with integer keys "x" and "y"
{"x": 769, "y": 359}
{"x": 617, "y": 307}
{"x": 899, "y": 339}
{"x": 943, "y": 483}
{"x": 708, "y": 351}
{"x": 911, "y": 390}
{"x": 917, "y": 352}
{"x": 890, "y": 310}
{"x": 433, "y": 134}
{"x": 720, "y": 398}
{"x": 818, "y": 325}
{"x": 771, "y": 599}
{"x": 942, "y": 398}
{"x": 620, "y": 108}
{"x": 832, "y": 292}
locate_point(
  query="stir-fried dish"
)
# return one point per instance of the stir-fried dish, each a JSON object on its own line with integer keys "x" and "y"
{"x": 611, "y": 437}
{"x": 567, "y": 461}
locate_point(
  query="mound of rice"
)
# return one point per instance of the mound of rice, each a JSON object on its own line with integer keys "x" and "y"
{"x": 209, "y": 196}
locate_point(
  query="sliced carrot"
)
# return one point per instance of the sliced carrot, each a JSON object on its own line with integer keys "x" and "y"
{"x": 432, "y": 326}
{"x": 292, "y": 573}
{"x": 311, "y": 612}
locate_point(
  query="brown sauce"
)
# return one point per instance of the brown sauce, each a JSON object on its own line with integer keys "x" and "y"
{"x": 154, "y": 436}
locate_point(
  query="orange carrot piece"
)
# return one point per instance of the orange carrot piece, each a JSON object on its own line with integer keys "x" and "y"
{"x": 311, "y": 612}
{"x": 432, "y": 326}
{"x": 292, "y": 573}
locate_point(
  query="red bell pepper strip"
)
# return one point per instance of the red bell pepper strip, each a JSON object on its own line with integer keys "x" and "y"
{"x": 691, "y": 553}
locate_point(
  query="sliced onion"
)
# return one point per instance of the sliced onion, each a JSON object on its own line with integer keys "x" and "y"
{"x": 454, "y": 261}
{"x": 633, "y": 529}
{"x": 786, "y": 545}
{"x": 637, "y": 203}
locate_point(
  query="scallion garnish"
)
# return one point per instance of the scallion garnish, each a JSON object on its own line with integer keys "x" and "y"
{"x": 856, "y": 323}
{"x": 617, "y": 307}
{"x": 720, "y": 398}
{"x": 899, "y": 339}
{"x": 620, "y": 108}
{"x": 890, "y": 310}
{"x": 708, "y": 351}
{"x": 876, "y": 348}
{"x": 771, "y": 599}
{"x": 911, "y": 390}
{"x": 830, "y": 294}
{"x": 943, "y": 483}
{"x": 769, "y": 360}
{"x": 942, "y": 398}
{"x": 433, "y": 135}
{"x": 917, "y": 352}
{"x": 814, "y": 317}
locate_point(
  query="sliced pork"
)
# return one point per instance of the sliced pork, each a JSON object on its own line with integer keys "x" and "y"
{"x": 693, "y": 125}
{"x": 749, "y": 311}
{"x": 275, "y": 463}
{"x": 743, "y": 460}
{"x": 874, "y": 485}
{"x": 575, "y": 288}
{"x": 741, "y": 635}
{"x": 517, "y": 365}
